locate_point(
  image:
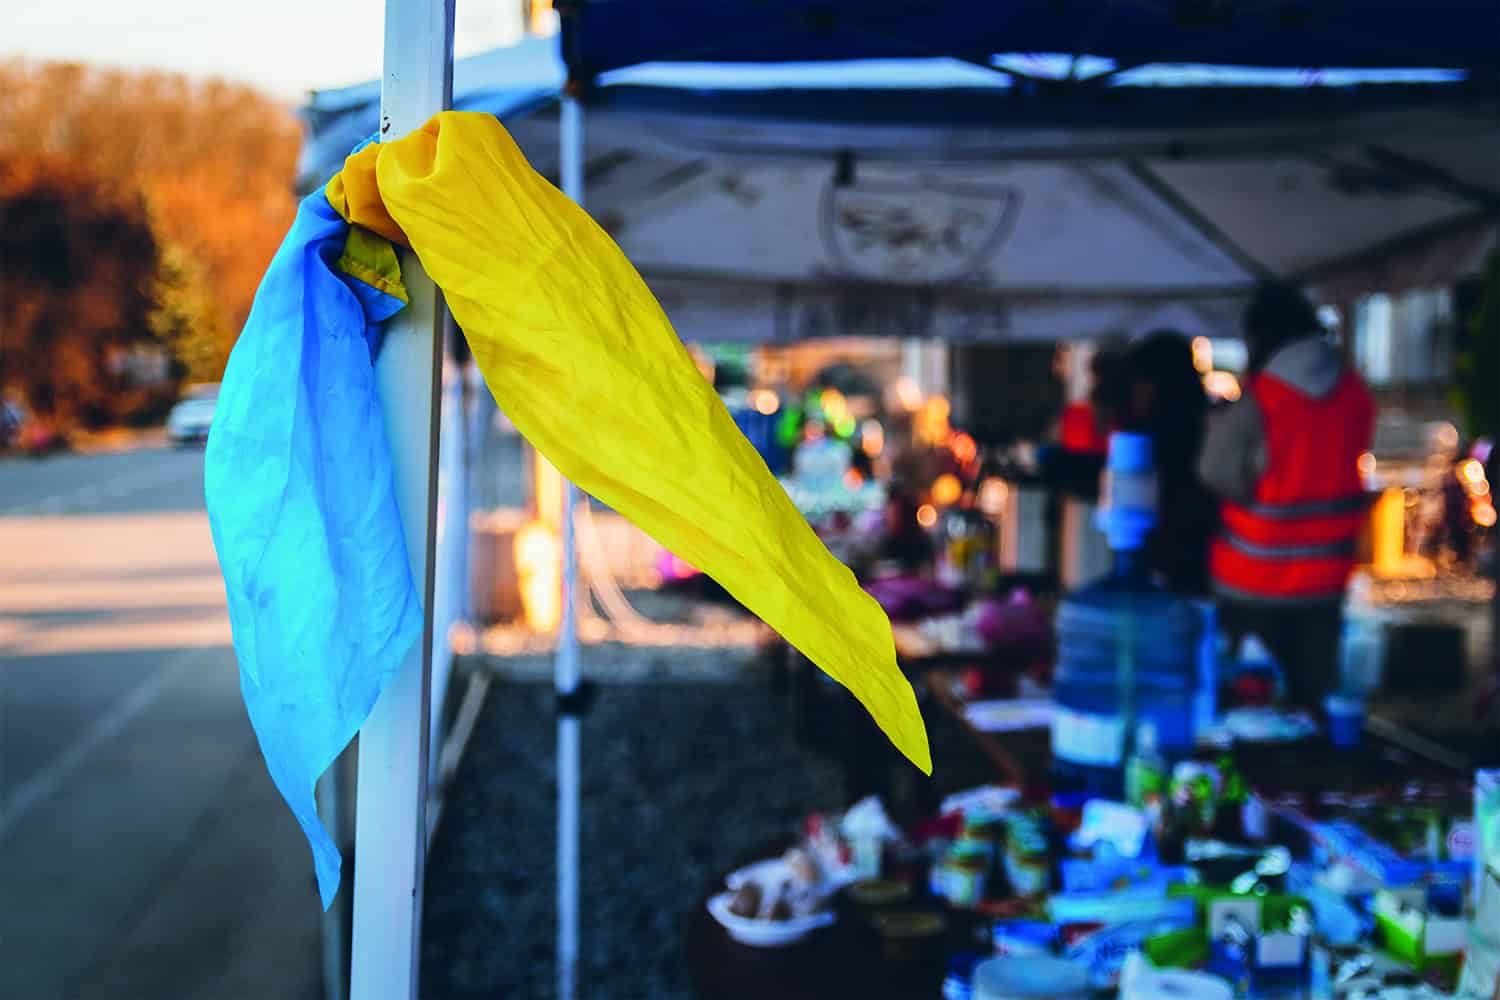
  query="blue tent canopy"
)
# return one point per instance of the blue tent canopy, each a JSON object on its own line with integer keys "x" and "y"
{"x": 941, "y": 92}
{"x": 512, "y": 83}
{"x": 1349, "y": 176}
{"x": 600, "y": 35}
{"x": 508, "y": 83}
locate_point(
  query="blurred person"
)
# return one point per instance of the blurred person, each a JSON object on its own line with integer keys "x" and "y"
{"x": 1075, "y": 460}
{"x": 1283, "y": 460}
{"x": 1110, "y": 387}
{"x": 1084, "y": 426}
{"x": 12, "y": 417}
{"x": 905, "y": 542}
{"x": 1167, "y": 402}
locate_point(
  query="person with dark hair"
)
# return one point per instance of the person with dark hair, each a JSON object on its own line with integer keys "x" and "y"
{"x": 1277, "y": 315}
{"x": 1073, "y": 462}
{"x": 1166, "y": 401}
{"x": 1284, "y": 462}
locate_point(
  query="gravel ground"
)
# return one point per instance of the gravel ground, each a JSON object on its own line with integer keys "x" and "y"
{"x": 681, "y": 779}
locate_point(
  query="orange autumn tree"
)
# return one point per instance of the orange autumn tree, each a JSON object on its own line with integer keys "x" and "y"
{"x": 213, "y": 163}
{"x": 76, "y": 263}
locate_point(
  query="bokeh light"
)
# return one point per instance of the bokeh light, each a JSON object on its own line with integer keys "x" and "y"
{"x": 946, "y": 489}
{"x": 1203, "y": 355}
{"x": 908, "y": 396}
{"x": 964, "y": 448}
{"x": 765, "y": 401}
{"x": 993, "y": 493}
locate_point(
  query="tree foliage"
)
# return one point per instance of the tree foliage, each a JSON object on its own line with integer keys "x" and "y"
{"x": 184, "y": 186}
{"x": 1478, "y": 390}
{"x": 76, "y": 261}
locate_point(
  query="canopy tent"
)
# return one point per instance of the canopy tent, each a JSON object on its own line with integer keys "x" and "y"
{"x": 903, "y": 171}
{"x": 508, "y": 83}
{"x": 936, "y": 198}
{"x": 608, "y": 34}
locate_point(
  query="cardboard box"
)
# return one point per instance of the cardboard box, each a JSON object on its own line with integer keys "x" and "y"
{"x": 1421, "y": 939}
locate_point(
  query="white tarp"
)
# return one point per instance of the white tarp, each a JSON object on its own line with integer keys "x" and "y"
{"x": 1053, "y": 236}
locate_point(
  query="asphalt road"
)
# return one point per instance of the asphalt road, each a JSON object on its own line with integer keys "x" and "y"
{"x": 144, "y": 852}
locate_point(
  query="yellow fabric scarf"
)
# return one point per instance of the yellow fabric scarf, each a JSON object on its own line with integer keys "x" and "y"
{"x": 580, "y": 356}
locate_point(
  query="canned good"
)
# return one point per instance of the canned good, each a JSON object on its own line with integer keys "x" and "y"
{"x": 964, "y": 879}
{"x": 1028, "y": 864}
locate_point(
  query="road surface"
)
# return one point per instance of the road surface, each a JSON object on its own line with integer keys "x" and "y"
{"x": 144, "y": 852}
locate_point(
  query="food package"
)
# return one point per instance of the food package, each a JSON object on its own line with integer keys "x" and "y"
{"x": 1112, "y": 828}
{"x": 1103, "y": 948}
{"x": 868, "y": 818}
{"x": 1480, "y": 979}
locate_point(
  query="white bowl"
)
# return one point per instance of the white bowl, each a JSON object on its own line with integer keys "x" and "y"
{"x": 759, "y": 933}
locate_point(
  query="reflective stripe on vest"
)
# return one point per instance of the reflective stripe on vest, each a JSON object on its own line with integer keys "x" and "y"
{"x": 1295, "y": 538}
{"x": 1356, "y": 503}
{"x": 1327, "y": 550}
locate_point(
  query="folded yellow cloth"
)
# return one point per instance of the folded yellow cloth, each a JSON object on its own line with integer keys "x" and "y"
{"x": 581, "y": 358}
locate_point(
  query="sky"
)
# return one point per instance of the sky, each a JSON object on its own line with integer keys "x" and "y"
{"x": 285, "y": 47}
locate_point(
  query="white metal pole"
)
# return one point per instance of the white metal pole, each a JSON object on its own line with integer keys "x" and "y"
{"x": 390, "y": 820}
{"x": 566, "y": 671}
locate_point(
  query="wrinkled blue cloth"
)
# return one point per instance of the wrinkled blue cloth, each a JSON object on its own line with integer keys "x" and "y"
{"x": 301, "y": 500}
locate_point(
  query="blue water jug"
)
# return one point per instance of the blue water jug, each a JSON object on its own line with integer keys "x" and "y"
{"x": 760, "y": 429}
{"x": 1127, "y": 652}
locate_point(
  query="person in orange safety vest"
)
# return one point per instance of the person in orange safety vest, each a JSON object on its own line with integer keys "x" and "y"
{"x": 1283, "y": 461}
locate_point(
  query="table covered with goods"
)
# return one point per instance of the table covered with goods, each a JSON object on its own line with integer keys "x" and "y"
{"x": 1235, "y": 872}
{"x": 1120, "y": 805}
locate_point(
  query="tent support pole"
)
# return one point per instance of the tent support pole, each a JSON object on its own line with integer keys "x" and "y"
{"x": 1436, "y": 177}
{"x": 1189, "y": 213}
{"x": 566, "y": 671}
{"x": 390, "y": 814}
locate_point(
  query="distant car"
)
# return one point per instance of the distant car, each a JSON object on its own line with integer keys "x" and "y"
{"x": 190, "y": 419}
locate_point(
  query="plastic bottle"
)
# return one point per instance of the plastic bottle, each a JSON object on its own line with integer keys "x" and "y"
{"x": 1127, "y": 650}
{"x": 1206, "y": 702}
{"x": 1147, "y": 774}
{"x": 1361, "y": 653}
{"x": 1255, "y": 663}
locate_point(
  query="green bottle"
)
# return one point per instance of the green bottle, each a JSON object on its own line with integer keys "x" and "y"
{"x": 1146, "y": 775}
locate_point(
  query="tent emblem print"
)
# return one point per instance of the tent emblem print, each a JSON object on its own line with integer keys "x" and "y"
{"x": 921, "y": 229}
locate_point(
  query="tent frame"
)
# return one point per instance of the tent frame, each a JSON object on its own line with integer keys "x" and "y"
{"x": 394, "y": 743}
{"x": 391, "y": 821}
